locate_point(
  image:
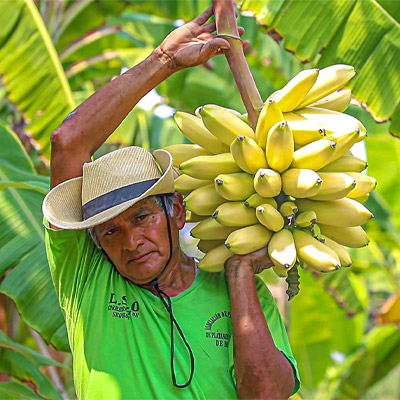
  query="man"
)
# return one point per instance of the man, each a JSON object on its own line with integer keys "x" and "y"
{"x": 142, "y": 321}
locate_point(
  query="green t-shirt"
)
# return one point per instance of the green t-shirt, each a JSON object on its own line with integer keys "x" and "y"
{"x": 119, "y": 333}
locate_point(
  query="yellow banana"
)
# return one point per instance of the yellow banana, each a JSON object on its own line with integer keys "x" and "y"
{"x": 204, "y": 200}
{"x": 305, "y": 131}
{"x": 235, "y": 213}
{"x": 306, "y": 219}
{"x": 210, "y": 229}
{"x": 248, "y": 239}
{"x": 282, "y": 251}
{"x": 280, "y": 147}
{"x": 223, "y": 124}
{"x": 248, "y": 155}
{"x": 270, "y": 217}
{"x": 193, "y": 128}
{"x": 336, "y": 101}
{"x": 353, "y": 236}
{"x": 346, "y": 163}
{"x": 214, "y": 260}
{"x": 362, "y": 199}
{"x": 184, "y": 152}
{"x": 342, "y": 253}
{"x": 335, "y": 185}
{"x": 236, "y": 186}
{"x": 256, "y": 200}
{"x": 365, "y": 184}
{"x": 292, "y": 94}
{"x": 192, "y": 217}
{"x": 185, "y": 184}
{"x": 301, "y": 183}
{"x": 269, "y": 116}
{"x": 342, "y": 212}
{"x": 315, "y": 254}
{"x": 267, "y": 182}
{"x": 206, "y": 245}
{"x": 343, "y": 142}
{"x": 208, "y": 167}
{"x": 314, "y": 155}
{"x": 329, "y": 79}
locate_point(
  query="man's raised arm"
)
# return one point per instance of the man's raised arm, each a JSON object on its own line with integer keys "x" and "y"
{"x": 88, "y": 127}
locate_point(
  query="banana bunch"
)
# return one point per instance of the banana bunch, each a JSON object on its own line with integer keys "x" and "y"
{"x": 291, "y": 184}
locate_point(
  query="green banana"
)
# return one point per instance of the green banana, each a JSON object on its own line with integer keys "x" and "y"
{"x": 288, "y": 209}
{"x": 335, "y": 185}
{"x": 235, "y": 213}
{"x": 336, "y": 101}
{"x": 270, "y": 217}
{"x": 248, "y": 239}
{"x": 256, "y": 200}
{"x": 267, "y": 182}
{"x": 204, "y": 200}
{"x": 301, "y": 183}
{"x": 248, "y": 155}
{"x": 184, "y": 152}
{"x": 223, "y": 124}
{"x": 208, "y": 167}
{"x": 342, "y": 212}
{"x": 306, "y": 219}
{"x": 329, "y": 79}
{"x": 236, "y": 186}
{"x": 193, "y": 128}
{"x": 315, "y": 254}
{"x": 346, "y": 163}
{"x": 185, "y": 184}
{"x": 280, "y": 147}
{"x": 282, "y": 251}
{"x": 215, "y": 259}
{"x": 269, "y": 116}
{"x": 314, "y": 155}
{"x": 353, "y": 236}
{"x": 210, "y": 229}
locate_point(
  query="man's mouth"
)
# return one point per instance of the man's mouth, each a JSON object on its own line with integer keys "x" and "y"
{"x": 140, "y": 258}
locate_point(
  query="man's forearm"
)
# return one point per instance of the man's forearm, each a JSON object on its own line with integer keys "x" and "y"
{"x": 262, "y": 371}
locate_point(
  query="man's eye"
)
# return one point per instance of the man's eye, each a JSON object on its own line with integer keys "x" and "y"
{"x": 141, "y": 217}
{"x": 110, "y": 232}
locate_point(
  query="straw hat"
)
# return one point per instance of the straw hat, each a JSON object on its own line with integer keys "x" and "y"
{"x": 109, "y": 185}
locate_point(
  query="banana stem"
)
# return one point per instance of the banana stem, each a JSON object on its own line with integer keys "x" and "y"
{"x": 227, "y": 28}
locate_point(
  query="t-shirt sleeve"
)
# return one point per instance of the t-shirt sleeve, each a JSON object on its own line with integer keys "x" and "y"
{"x": 70, "y": 254}
{"x": 276, "y": 327}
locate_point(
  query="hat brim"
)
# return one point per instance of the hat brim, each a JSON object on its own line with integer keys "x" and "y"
{"x": 62, "y": 206}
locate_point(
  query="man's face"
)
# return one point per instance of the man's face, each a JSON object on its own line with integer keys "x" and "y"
{"x": 136, "y": 241}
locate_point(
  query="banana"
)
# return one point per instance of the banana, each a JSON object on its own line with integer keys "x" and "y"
{"x": 267, "y": 182}
{"x": 206, "y": 245}
{"x": 184, "y": 152}
{"x": 288, "y": 209}
{"x": 256, "y": 200}
{"x": 301, "y": 183}
{"x": 314, "y": 155}
{"x": 193, "y": 128}
{"x": 269, "y": 116}
{"x": 208, "y": 167}
{"x": 343, "y": 212}
{"x": 362, "y": 199}
{"x": 343, "y": 142}
{"x": 185, "y": 184}
{"x": 336, "y": 101}
{"x": 342, "y": 253}
{"x": 332, "y": 121}
{"x": 192, "y": 217}
{"x": 210, "y": 229}
{"x": 354, "y": 236}
{"x": 248, "y": 155}
{"x": 335, "y": 185}
{"x": 305, "y": 131}
{"x": 223, "y": 124}
{"x": 329, "y": 79}
{"x": 214, "y": 260}
{"x": 248, "y": 239}
{"x": 365, "y": 184}
{"x": 315, "y": 254}
{"x": 270, "y": 217}
{"x": 292, "y": 94}
{"x": 306, "y": 219}
{"x": 279, "y": 147}
{"x": 235, "y": 213}
{"x": 315, "y": 231}
{"x": 282, "y": 251}
{"x": 204, "y": 200}
{"x": 346, "y": 163}
{"x": 236, "y": 186}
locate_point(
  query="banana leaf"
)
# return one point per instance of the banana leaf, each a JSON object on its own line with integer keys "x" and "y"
{"x": 357, "y": 32}
{"x": 31, "y": 70}
{"x": 23, "y": 259}
{"x": 17, "y": 391}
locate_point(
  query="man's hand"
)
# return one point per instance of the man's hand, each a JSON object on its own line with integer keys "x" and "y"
{"x": 193, "y": 43}
{"x": 257, "y": 261}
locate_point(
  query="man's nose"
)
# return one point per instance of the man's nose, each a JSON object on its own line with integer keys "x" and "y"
{"x": 132, "y": 240}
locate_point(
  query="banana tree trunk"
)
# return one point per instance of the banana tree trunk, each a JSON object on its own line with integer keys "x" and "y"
{"x": 227, "y": 28}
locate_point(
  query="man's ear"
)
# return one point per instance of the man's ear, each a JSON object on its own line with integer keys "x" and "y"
{"x": 179, "y": 210}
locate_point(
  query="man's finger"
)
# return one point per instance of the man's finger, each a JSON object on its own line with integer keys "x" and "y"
{"x": 210, "y": 27}
{"x": 241, "y": 30}
{"x": 203, "y": 17}
{"x": 215, "y": 47}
